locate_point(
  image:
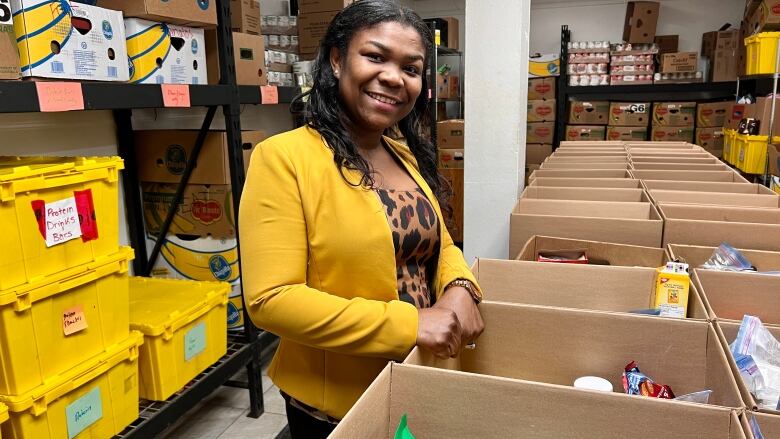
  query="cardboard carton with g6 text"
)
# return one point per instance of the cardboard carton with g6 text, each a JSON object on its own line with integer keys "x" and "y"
{"x": 631, "y": 114}
{"x": 165, "y": 54}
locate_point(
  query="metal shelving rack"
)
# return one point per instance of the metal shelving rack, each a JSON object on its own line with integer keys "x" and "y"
{"x": 244, "y": 348}
{"x": 433, "y": 65}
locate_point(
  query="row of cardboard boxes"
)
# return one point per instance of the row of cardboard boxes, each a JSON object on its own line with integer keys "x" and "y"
{"x": 594, "y": 331}
{"x": 82, "y": 340}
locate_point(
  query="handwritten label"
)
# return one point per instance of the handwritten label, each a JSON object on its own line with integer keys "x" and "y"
{"x": 61, "y": 221}
{"x": 59, "y": 96}
{"x": 194, "y": 341}
{"x": 176, "y": 95}
{"x": 84, "y": 412}
{"x": 74, "y": 320}
{"x": 269, "y": 95}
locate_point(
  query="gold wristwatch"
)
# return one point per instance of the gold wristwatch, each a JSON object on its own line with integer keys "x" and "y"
{"x": 463, "y": 283}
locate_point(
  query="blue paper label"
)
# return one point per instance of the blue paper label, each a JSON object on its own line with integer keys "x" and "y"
{"x": 194, "y": 341}
{"x": 84, "y": 412}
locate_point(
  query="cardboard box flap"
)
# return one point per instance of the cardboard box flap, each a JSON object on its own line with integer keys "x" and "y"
{"x": 769, "y": 424}
{"x": 707, "y": 186}
{"x": 677, "y": 175}
{"x": 662, "y": 159}
{"x": 731, "y": 295}
{"x": 555, "y": 158}
{"x": 586, "y": 173}
{"x": 591, "y": 209}
{"x": 589, "y": 143}
{"x": 721, "y": 214}
{"x": 610, "y": 253}
{"x": 672, "y": 165}
{"x": 714, "y": 198}
{"x": 591, "y": 182}
{"x": 696, "y": 256}
{"x": 585, "y": 194}
{"x": 584, "y": 165}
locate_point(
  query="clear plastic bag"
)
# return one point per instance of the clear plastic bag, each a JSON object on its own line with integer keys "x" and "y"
{"x": 702, "y": 397}
{"x": 727, "y": 258}
{"x": 757, "y": 353}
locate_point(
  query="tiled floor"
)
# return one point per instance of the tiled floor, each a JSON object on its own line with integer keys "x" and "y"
{"x": 223, "y": 415}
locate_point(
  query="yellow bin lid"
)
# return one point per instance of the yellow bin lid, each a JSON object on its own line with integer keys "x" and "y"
{"x": 162, "y": 306}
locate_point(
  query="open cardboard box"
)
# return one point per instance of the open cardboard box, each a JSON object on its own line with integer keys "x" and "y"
{"x": 581, "y": 173}
{"x": 579, "y": 286}
{"x": 599, "y": 252}
{"x": 590, "y": 182}
{"x": 696, "y": 255}
{"x": 768, "y": 423}
{"x": 584, "y": 165}
{"x": 590, "y": 144}
{"x": 715, "y": 198}
{"x": 588, "y": 159}
{"x": 728, "y": 296}
{"x": 657, "y": 144}
{"x": 558, "y": 345}
{"x": 669, "y": 157}
{"x": 660, "y": 159}
{"x": 742, "y": 227}
{"x": 727, "y": 331}
{"x": 726, "y": 176}
{"x": 585, "y": 194}
{"x": 584, "y": 153}
{"x": 707, "y": 186}
{"x": 462, "y": 405}
{"x": 673, "y": 165}
{"x": 620, "y": 222}
{"x": 664, "y": 151}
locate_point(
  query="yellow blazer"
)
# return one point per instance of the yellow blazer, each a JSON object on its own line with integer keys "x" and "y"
{"x": 318, "y": 269}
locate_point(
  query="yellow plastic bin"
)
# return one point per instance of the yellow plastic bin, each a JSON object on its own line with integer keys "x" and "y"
{"x": 52, "y": 325}
{"x": 729, "y": 145}
{"x": 761, "y": 52}
{"x": 3, "y": 417}
{"x": 97, "y": 399}
{"x": 54, "y": 185}
{"x": 751, "y": 158}
{"x": 185, "y": 331}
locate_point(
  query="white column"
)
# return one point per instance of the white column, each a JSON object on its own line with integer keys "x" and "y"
{"x": 496, "y": 89}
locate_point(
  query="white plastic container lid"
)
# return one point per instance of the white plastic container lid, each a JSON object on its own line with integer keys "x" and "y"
{"x": 593, "y": 383}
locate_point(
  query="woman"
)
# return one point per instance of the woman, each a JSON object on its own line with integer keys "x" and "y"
{"x": 344, "y": 253}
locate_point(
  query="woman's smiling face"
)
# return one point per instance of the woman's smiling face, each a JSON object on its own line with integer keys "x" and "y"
{"x": 380, "y": 77}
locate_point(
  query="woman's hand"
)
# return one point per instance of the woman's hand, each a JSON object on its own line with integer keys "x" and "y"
{"x": 462, "y": 304}
{"x": 439, "y": 331}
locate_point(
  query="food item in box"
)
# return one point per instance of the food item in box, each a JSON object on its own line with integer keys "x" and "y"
{"x": 757, "y": 353}
{"x": 622, "y": 60}
{"x": 593, "y": 383}
{"x": 711, "y": 114}
{"x": 672, "y": 286}
{"x": 540, "y": 132}
{"x": 585, "y": 58}
{"x": 588, "y": 47}
{"x": 589, "y": 80}
{"x": 727, "y": 258}
{"x": 637, "y": 383}
{"x": 634, "y": 69}
{"x": 678, "y": 62}
{"x": 627, "y": 133}
{"x": 543, "y": 65}
{"x": 588, "y": 69}
{"x": 631, "y": 79}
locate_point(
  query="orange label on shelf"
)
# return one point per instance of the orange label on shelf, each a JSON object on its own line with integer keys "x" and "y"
{"x": 59, "y": 96}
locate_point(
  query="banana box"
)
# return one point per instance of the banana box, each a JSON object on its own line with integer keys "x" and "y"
{"x": 205, "y": 210}
{"x": 161, "y": 53}
{"x": 543, "y": 65}
{"x": 63, "y": 40}
{"x": 235, "y": 310}
{"x": 9, "y": 55}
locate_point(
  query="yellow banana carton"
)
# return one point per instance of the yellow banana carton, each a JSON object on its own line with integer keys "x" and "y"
{"x": 9, "y": 55}
{"x": 205, "y": 210}
{"x": 543, "y": 65}
{"x": 59, "y": 39}
{"x": 161, "y": 53}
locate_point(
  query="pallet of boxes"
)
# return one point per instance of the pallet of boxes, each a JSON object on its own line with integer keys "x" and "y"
{"x": 280, "y": 35}
{"x": 450, "y": 146}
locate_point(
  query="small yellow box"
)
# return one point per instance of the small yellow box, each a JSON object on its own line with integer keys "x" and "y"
{"x": 761, "y": 52}
{"x": 184, "y": 327}
{"x": 96, "y": 399}
{"x": 671, "y": 293}
{"x": 729, "y": 145}
{"x": 51, "y": 326}
{"x": 48, "y": 180}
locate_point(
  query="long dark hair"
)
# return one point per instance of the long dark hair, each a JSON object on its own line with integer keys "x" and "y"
{"x": 324, "y": 110}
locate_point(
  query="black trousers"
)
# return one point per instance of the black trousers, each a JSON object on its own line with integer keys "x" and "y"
{"x": 304, "y": 426}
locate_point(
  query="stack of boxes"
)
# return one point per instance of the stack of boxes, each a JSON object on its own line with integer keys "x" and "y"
{"x": 314, "y": 17}
{"x": 450, "y": 144}
{"x": 248, "y": 45}
{"x": 710, "y": 118}
{"x": 678, "y": 68}
{"x": 673, "y": 121}
{"x": 632, "y": 63}
{"x": 747, "y": 135}
{"x": 280, "y": 35}
{"x": 540, "y": 127}
{"x": 588, "y": 63}
{"x": 721, "y": 49}
{"x": 587, "y": 120}
{"x": 628, "y": 121}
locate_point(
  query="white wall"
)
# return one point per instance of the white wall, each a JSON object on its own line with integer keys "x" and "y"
{"x": 603, "y": 20}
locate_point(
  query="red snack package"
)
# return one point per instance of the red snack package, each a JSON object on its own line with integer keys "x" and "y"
{"x": 637, "y": 383}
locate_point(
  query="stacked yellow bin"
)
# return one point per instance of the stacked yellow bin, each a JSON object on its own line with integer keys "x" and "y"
{"x": 761, "y": 53}
{"x": 750, "y": 153}
{"x": 730, "y": 147}
{"x": 68, "y": 360}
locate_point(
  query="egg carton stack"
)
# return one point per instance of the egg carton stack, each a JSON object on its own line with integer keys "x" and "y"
{"x": 280, "y": 33}
{"x": 632, "y": 64}
{"x": 588, "y": 63}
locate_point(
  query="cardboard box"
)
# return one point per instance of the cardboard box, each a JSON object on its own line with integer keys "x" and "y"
{"x": 729, "y": 296}
{"x": 535, "y": 154}
{"x": 710, "y": 139}
{"x": 591, "y": 182}
{"x": 620, "y": 289}
{"x": 449, "y": 134}
{"x": 734, "y": 114}
{"x": 626, "y": 133}
{"x": 584, "y": 165}
{"x": 200, "y": 13}
{"x": 557, "y": 346}
{"x": 542, "y": 65}
{"x": 655, "y": 158}
{"x": 447, "y": 30}
{"x": 585, "y": 194}
{"x": 540, "y": 132}
{"x": 666, "y": 145}
{"x": 204, "y": 210}
{"x": 714, "y": 198}
{"x": 541, "y": 111}
{"x": 454, "y": 219}
{"x": 722, "y": 48}
{"x": 696, "y": 256}
{"x": 583, "y": 173}
{"x": 249, "y": 55}
{"x": 620, "y": 222}
{"x": 685, "y": 134}
{"x": 556, "y": 158}
{"x": 674, "y": 114}
{"x": 541, "y": 88}
{"x": 245, "y": 16}
{"x": 312, "y": 6}
{"x": 667, "y": 43}
{"x": 707, "y": 186}
{"x": 50, "y": 46}
{"x": 769, "y": 421}
{"x": 450, "y": 158}
{"x": 742, "y": 50}
{"x": 765, "y": 18}
{"x": 591, "y": 154}
{"x": 9, "y": 52}
{"x": 676, "y": 175}
{"x": 589, "y": 112}
{"x": 590, "y": 144}
{"x": 711, "y": 114}
{"x": 490, "y": 410}
{"x": 182, "y": 49}
{"x": 599, "y": 253}
{"x": 671, "y": 165}
{"x": 678, "y": 62}
{"x": 249, "y": 141}
{"x": 641, "y": 21}
{"x": 712, "y": 41}
{"x": 162, "y": 155}
{"x": 741, "y": 227}
{"x": 586, "y": 132}
{"x": 629, "y": 114}
{"x": 762, "y": 110}
{"x": 312, "y": 27}
{"x": 724, "y": 65}
{"x": 774, "y": 159}
{"x": 529, "y": 169}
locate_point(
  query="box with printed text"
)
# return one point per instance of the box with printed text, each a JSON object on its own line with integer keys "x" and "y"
{"x": 161, "y": 53}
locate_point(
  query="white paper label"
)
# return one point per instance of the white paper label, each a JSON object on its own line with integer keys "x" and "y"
{"x": 62, "y": 221}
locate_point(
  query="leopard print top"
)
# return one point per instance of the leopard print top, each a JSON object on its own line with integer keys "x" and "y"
{"x": 415, "y": 230}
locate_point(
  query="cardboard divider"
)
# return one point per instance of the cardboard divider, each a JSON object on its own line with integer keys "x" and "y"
{"x": 620, "y": 222}
{"x": 657, "y": 144}
{"x": 742, "y": 227}
{"x": 604, "y": 253}
{"x": 584, "y": 173}
{"x": 696, "y": 256}
{"x": 673, "y": 165}
{"x": 569, "y": 153}
{"x": 728, "y": 296}
{"x": 591, "y": 182}
{"x": 591, "y": 144}
{"x": 597, "y": 159}
{"x": 768, "y": 423}
{"x": 707, "y": 186}
{"x": 492, "y": 408}
{"x": 669, "y": 151}
{"x": 668, "y": 157}
{"x": 619, "y": 289}
{"x": 585, "y": 165}
{"x": 585, "y": 194}
{"x": 714, "y": 198}
{"x": 557, "y": 346}
{"x": 724, "y": 176}
{"x": 680, "y": 159}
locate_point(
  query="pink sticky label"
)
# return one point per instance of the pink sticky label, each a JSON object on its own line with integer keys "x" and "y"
{"x": 59, "y": 96}
{"x": 269, "y": 95}
{"x": 176, "y": 95}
